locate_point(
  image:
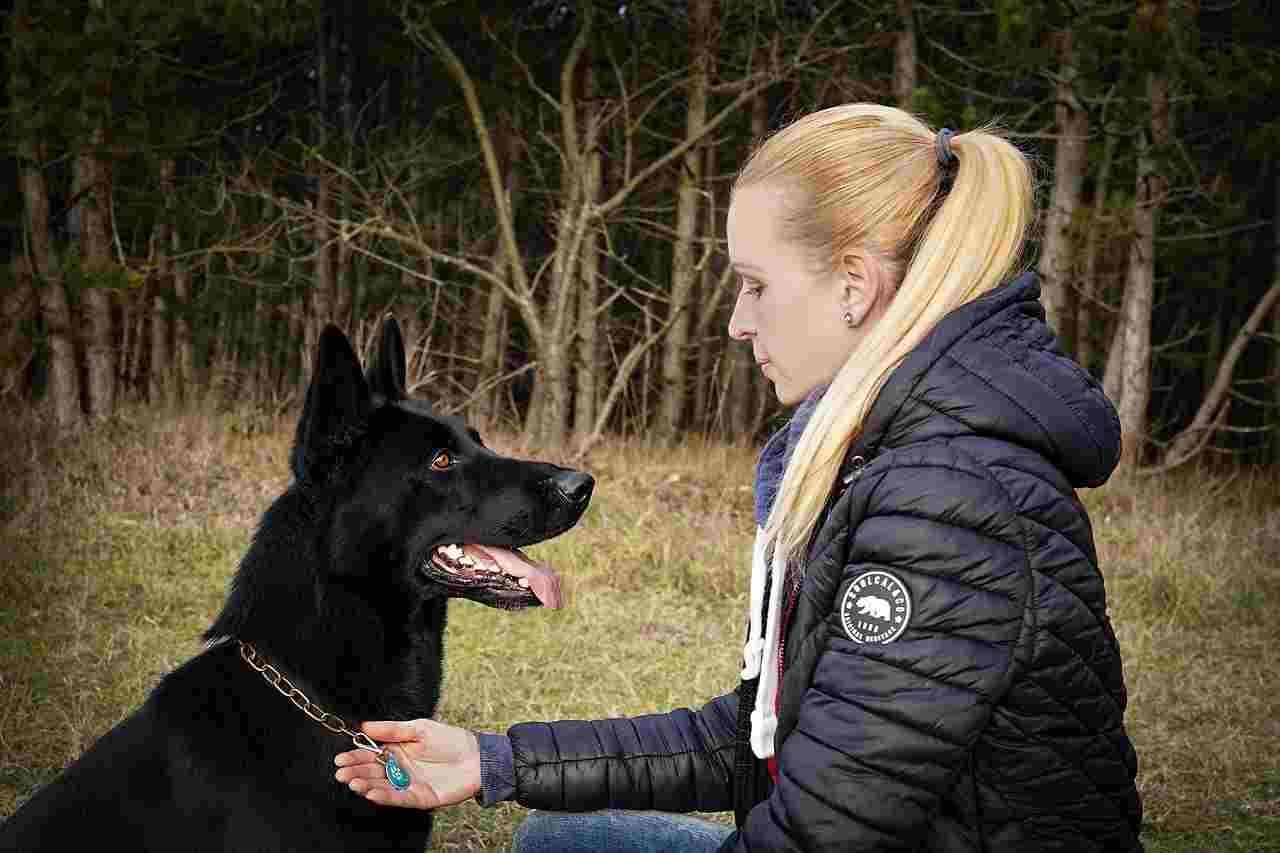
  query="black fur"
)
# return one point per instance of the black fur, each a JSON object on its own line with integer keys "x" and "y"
{"x": 333, "y": 592}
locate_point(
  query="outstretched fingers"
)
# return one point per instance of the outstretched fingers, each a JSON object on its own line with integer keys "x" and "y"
{"x": 373, "y": 772}
{"x": 356, "y": 758}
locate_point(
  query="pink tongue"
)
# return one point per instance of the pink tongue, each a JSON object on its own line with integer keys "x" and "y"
{"x": 541, "y": 580}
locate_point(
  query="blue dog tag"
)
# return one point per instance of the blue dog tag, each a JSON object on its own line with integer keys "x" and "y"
{"x": 396, "y": 775}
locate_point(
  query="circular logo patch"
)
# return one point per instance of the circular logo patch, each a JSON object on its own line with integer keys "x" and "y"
{"x": 876, "y": 608}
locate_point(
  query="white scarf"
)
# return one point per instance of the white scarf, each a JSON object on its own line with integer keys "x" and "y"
{"x": 760, "y": 655}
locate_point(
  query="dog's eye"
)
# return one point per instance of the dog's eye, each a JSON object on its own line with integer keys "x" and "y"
{"x": 443, "y": 460}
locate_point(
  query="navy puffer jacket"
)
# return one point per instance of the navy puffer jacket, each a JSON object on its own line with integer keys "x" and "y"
{"x": 993, "y": 720}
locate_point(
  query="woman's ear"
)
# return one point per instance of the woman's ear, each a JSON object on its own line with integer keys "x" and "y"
{"x": 862, "y": 280}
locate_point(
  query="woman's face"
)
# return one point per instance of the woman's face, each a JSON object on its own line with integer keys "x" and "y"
{"x": 788, "y": 307}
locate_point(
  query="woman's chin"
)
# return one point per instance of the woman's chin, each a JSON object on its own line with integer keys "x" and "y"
{"x": 786, "y": 394}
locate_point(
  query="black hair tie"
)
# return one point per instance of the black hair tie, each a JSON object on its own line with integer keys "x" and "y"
{"x": 942, "y": 144}
{"x": 947, "y": 159}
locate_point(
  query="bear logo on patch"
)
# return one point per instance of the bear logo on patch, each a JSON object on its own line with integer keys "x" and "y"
{"x": 876, "y": 608}
{"x": 869, "y": 605}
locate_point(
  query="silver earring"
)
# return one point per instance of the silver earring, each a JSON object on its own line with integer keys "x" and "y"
{"x": 848, "y": 319}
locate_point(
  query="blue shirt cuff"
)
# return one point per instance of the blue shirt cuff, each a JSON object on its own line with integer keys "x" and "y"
{"x": 497, "y": 769}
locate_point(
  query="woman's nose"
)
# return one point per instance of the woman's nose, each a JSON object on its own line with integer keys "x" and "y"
{"x": 740, "y": 326}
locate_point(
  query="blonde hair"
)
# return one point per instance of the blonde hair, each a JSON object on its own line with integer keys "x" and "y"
{"x": 868, "y": 177}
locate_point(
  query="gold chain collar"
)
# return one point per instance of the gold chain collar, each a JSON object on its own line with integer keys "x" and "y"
{"x": 280, "y": 682}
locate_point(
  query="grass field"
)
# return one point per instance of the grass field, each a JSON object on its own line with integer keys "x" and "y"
{"x": 115, "y": 552}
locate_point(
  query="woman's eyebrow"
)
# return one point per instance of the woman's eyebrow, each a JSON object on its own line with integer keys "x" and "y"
{"x": 743, "y": 266}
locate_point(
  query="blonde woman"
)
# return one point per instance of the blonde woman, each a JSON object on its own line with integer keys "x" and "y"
{"x": 929, "y": 664}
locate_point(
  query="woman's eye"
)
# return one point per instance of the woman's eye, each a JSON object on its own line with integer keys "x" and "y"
{"x": 442, "y": 460}
{"x": 751, "y": 288}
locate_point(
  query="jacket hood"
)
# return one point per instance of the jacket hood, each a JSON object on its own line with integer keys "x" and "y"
{"x": 992, "y": 368}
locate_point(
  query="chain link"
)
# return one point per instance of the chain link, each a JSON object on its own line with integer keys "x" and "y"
{"x": 281, "y": 682}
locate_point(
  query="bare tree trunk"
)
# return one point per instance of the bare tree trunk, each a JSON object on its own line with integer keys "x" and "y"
{"x": 202, "y": 272}
{"x": 16, "y": 348}
{"x": 576, "y": 217}
{"x": 1274, "y": 374}
{"x": 299, "y": 330}
{"x": 180, "y": 272}
{"x": 1087, "y": 337}
{"x": 708, "y": 347}
{"x": 135, "y": 345}
{"x": 221, "y": 345}
{"x": 64, "y": 374}
{"x": 1188, "y": 443}
{"x": 184, "y": 346}
{"x": 359, "y": 287}
{"x": 259, "y": 383}
{"x": 160, "y": 374}
{"x": 1113, "y": 375}
{"x": 463, "y": 346}
{"x": 90, "y": 186}
{"x": 904, "y": 56}
{"x": 493, "y": 338}
{"x": 233, "y": 340}
{"x": 1070, "y": 158}
{"x": 125, "y": 353}
{"x": 646, "y": 375}
{"x": 322, "y": 289}
{"x": 344, "y": 279}
{"x": 586, "y": 399}
{"x": 549, "y": 413}
{"x": 64, "y": 387}
{"x": 675, "y": 352}
{"x": 64, "y": 377}
{"x": 1140, "y": 283}
{"x": 1274, "y": 378}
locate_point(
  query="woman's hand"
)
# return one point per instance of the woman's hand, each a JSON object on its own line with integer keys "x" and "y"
{"x": 443, "y": 763}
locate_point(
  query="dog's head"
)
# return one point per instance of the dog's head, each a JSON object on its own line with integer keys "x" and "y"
{"x": 414, "y": 492}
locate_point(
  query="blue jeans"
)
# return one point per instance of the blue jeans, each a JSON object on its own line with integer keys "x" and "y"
{"x": 618, "y": 832}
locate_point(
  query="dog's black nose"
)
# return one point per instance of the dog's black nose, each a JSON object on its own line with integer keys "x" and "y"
{"x": 574, "y": 486}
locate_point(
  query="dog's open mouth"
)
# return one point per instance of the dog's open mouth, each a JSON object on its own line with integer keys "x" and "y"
{"x": 469, "y": 572}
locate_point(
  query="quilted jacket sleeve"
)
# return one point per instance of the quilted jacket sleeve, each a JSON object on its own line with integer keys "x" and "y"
{"x": 678, "y": 762}
{"x": 883, "y": 728}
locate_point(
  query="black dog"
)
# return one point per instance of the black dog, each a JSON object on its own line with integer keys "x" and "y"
{"x": 343, "y": 592}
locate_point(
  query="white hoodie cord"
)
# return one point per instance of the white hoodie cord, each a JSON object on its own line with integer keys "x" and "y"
{"x": 755, "y": 636}
{"x": 760, "y": 655}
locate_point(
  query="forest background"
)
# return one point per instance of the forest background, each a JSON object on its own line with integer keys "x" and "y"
{"x": 537, "y": 190}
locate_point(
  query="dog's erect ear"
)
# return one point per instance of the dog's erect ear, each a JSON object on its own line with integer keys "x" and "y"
{"x": 386, "y": 376}
{"x": 337, "y": 402}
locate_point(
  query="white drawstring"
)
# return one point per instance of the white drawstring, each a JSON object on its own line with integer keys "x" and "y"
{"x": 754, "y": 648}
{"x": 760, "y": 654}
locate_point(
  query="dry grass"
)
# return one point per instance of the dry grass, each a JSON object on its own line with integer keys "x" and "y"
{"x": 115, "y": 551}
{"x": 1193, "y": 573}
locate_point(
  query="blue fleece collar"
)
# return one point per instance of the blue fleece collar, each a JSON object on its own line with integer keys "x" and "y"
{"x": 773, "y": 460}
